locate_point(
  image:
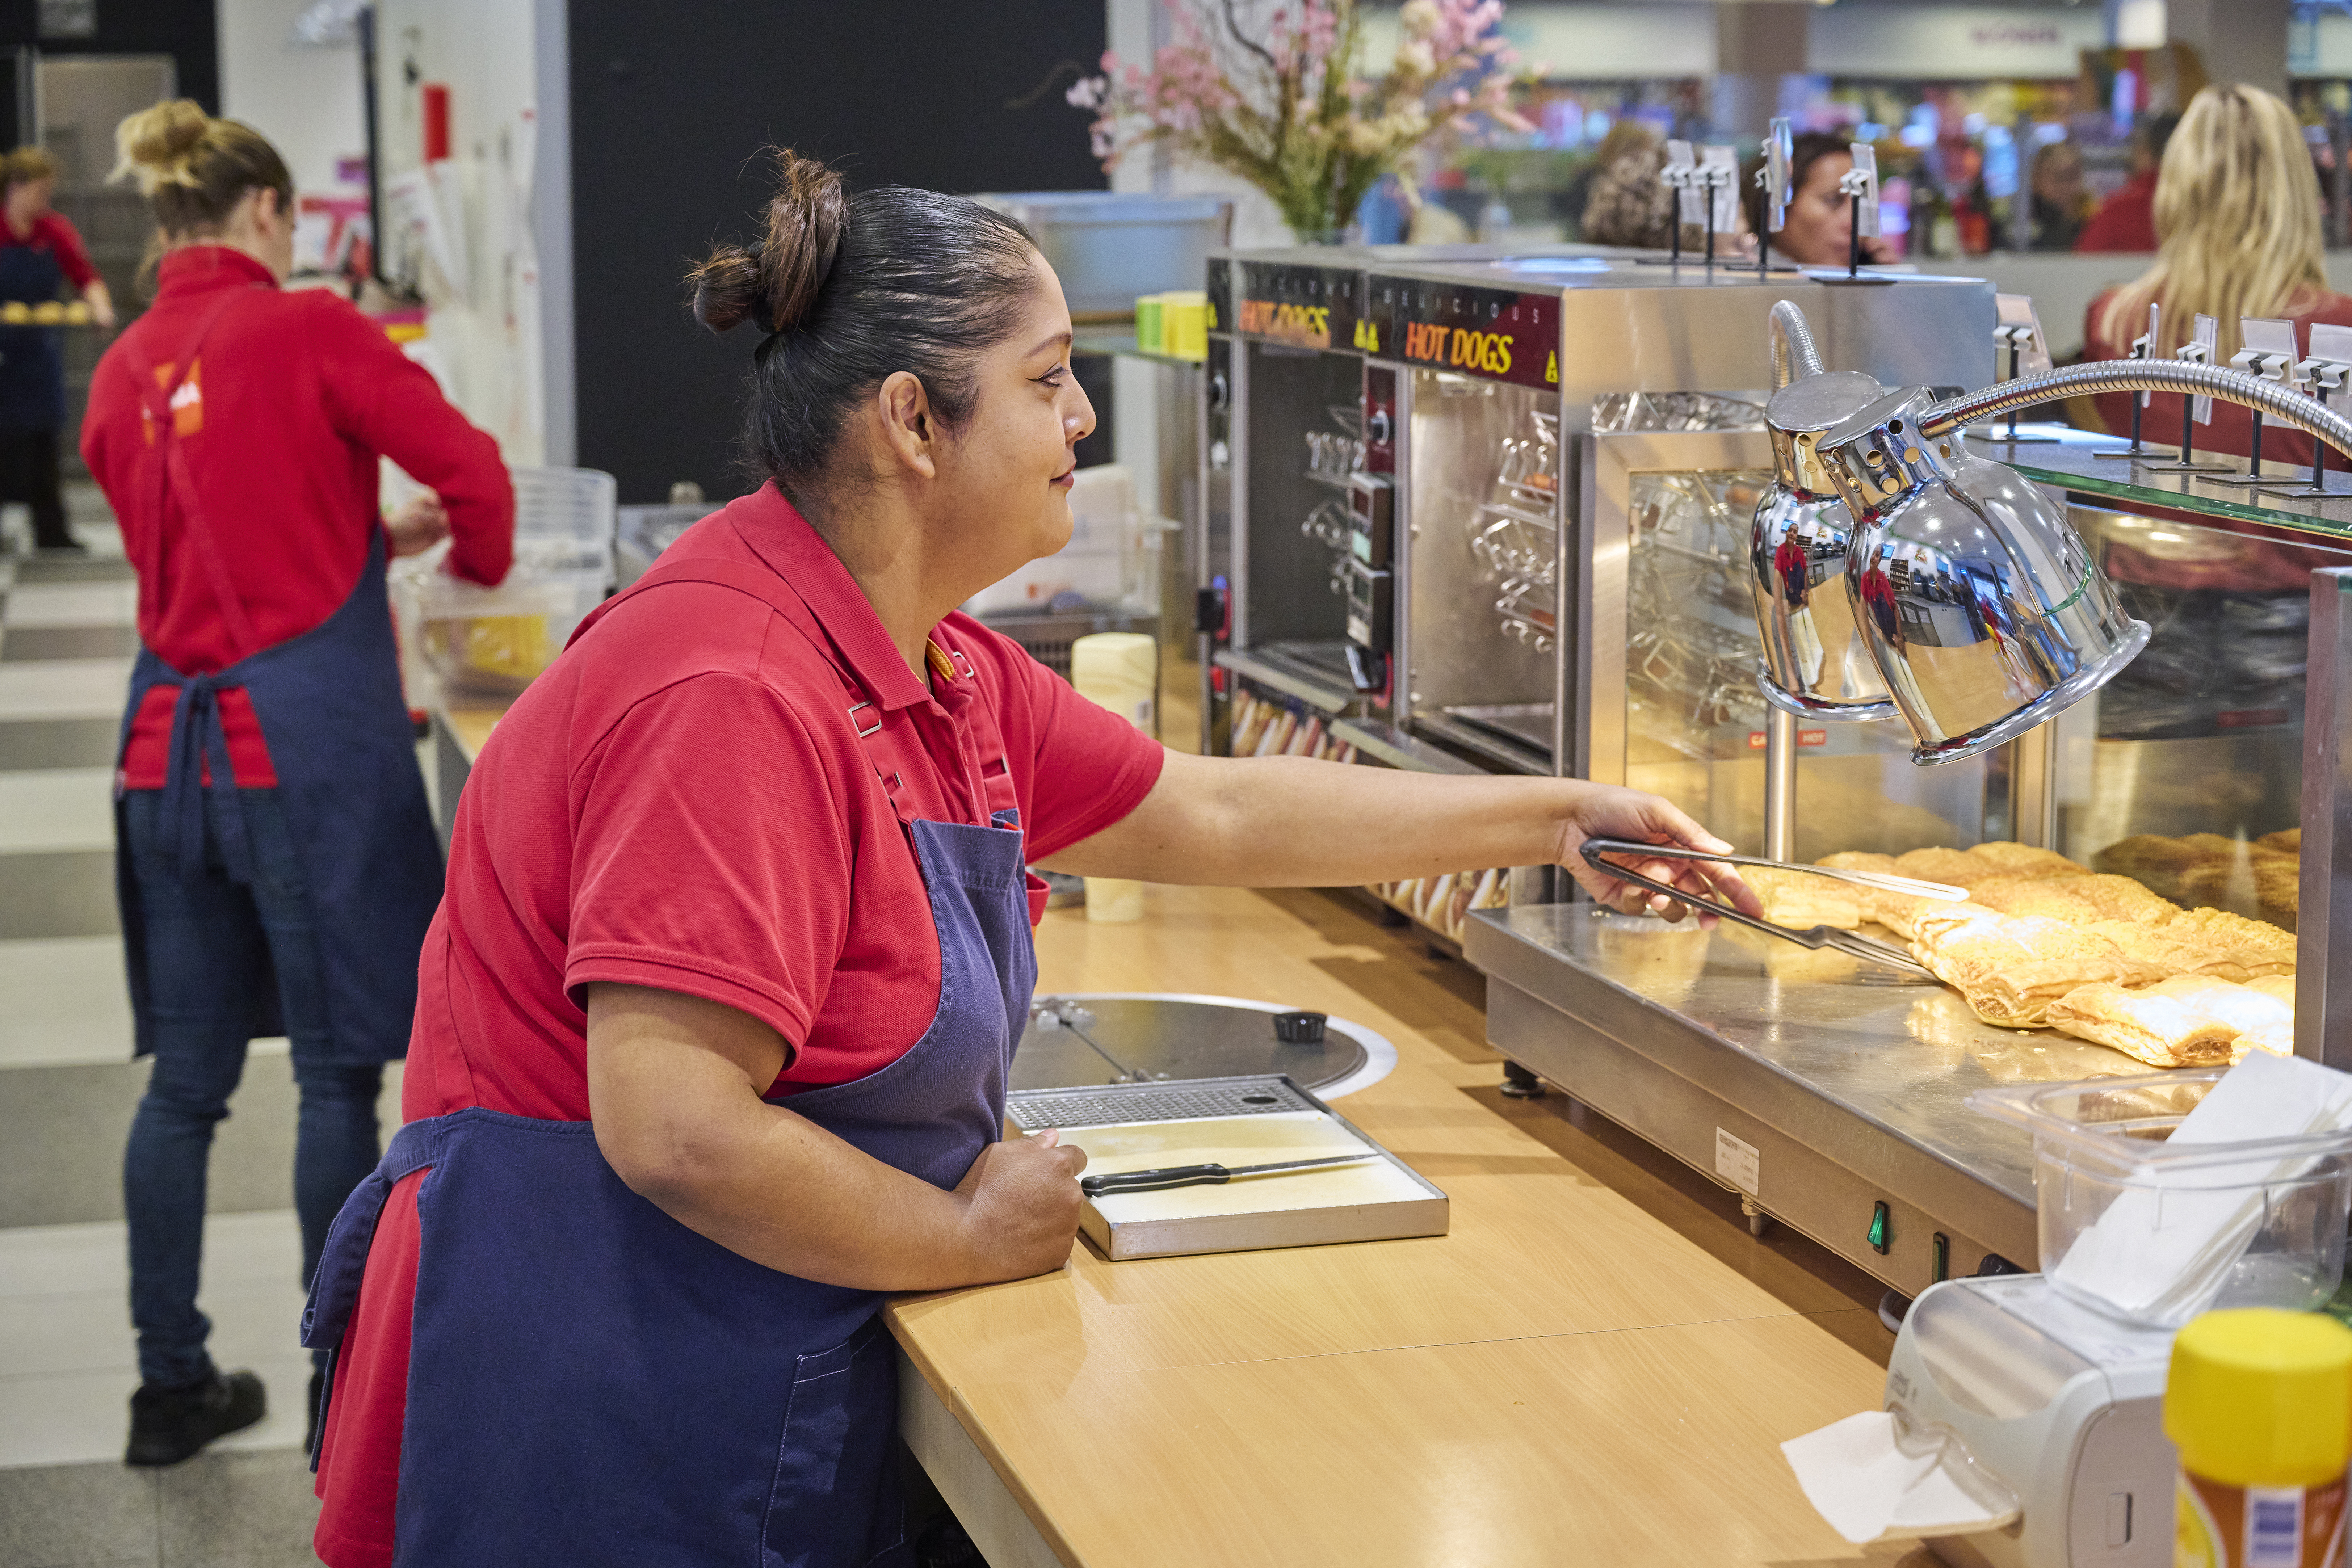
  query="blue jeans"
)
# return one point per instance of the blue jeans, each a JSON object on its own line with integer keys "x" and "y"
{"x": 212, "y": 941}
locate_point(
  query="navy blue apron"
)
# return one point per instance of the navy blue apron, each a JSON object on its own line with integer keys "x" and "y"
{"x": 32, "y": 359}
{"x": 330, "y": 706}
{"x": 591, "y": 1382}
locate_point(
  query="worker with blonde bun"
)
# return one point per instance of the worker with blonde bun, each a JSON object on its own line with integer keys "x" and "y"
{"x": 41, "y": 252}
{"x": 277, "y": 865}
{"x": 715, "y": 1020}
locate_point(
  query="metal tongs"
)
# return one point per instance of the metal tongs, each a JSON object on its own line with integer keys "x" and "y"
{"x": 1815, "y": 937}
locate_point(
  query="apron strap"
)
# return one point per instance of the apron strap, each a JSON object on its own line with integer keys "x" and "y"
{"x": 171, "y": 474}
{"x": 866, "y": 715}
{"x": 343, "y": 1262}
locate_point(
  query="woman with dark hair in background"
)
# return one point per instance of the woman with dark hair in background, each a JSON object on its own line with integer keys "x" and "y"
{"x": 276, "y": 862}
{"x": 1820, "y": 221}
{"x": 39, "y": 252}
{"x": 711, "y": 1044}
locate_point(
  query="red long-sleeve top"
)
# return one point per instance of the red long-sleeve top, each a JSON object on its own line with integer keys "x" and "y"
{"x": 291, "y": 400}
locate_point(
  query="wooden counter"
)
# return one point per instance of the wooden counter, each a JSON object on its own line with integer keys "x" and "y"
{"x": 1598, "y": 1365}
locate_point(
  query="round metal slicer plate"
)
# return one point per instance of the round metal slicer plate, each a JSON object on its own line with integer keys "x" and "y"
{"x": 1818, "y": 402}
{"x": 1179, "y": 1035}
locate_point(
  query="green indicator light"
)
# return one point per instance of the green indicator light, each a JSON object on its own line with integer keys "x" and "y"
{"x": 1878, "y": 1226}
{"x": 1941, "y": 1251}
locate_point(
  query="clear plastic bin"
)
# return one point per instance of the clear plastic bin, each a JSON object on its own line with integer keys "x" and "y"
{"x": 565, "y": 521}
{"x": 2168, "y": 1232}
{"x": 645, "y": 532}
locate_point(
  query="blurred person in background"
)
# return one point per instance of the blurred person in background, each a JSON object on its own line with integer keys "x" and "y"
{"x": 39, "y": 251}
{"x": 1819, "y": 228}
{"x": 2127, "y": 220}
{"x": 2061, "y": 202}
{"x": 1625, "y": 202}
{"x": 2237, "y": 221}
{"x": 276, "y": 862}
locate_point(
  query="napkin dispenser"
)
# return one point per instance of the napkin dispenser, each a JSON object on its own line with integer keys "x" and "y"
{"x": 2045, "y": 1405}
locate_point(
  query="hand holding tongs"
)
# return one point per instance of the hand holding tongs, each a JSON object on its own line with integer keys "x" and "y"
{"x": 1815, "y": 937}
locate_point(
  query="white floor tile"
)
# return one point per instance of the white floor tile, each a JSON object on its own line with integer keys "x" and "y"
{"x": 82, "y": 1417}
{"x": 73, "y": 604}
{"x": 64, "y": 688}
{"x": 68, "y": 1001}
{"x": 68, "y": 1361}
{"x": 57, "y": 808}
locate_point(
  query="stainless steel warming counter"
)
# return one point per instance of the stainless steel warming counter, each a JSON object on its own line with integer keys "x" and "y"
{"x": 1830, "y": 1094}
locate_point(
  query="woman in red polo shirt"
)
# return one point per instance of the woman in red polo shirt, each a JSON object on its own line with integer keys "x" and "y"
{"x": 277, "y": 863}
{"x": 715, "y": 1017}
{"x": 39, "y": 252}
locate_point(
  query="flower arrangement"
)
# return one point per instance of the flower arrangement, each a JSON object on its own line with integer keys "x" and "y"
{"x": 1280, "y": 103}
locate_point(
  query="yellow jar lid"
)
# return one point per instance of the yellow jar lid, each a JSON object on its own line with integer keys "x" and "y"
{"x": 2258, "y": 1397}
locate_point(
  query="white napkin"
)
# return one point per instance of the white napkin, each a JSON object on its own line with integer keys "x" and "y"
{"x": 2162, "y": 1255}
{"x": 1859, "y": 1477}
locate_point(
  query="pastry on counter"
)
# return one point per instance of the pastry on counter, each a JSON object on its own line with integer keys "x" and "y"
{"x": 1902, "y": 912}
{"x": 2279, "y": 986}
{"x": 1800, "y": 899}
{"x": 2277, "y": 1038}
{"x": 2286, "y": 841}
{"x": 1956, "y": 866}
{"x": 2024, "y": 860}
{"x": 2240, "y": 1007}
{"x": 2030, "y": 895}
{"x": 2123, "y": 899}
{"x": 2255, "y": 946}
{"x": 2012, "y": 968}
{"x": 2168, "y": 953}
{"x": 1859, "y": 861}
{"x": 2162, "y": 1031}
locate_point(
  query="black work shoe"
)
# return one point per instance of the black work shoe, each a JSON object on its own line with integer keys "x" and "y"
{"x": 168, "y": 1425}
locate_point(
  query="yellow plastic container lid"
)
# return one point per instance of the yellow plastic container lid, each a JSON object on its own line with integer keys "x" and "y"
{"x": 2259, "y": 1397}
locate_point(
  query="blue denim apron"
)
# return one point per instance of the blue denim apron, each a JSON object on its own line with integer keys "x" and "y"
{"x": 32, "y": 359}
{"x": 591, "y": 1382}
{"x": 330, "y": 710}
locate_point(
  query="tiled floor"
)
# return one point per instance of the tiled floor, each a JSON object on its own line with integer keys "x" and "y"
{"x": 67, "y": 1088}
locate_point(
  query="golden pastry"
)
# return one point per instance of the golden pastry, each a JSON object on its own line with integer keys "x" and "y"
{"x": 2239, "y": 1007}
{"x": 2286, "y": 841}
{"x": 1902, "y": 912}
{"x": 2279, "y": 986}
{"x": 1859, "y": 861}
{"x": 2208, "y": 845}
{"x": 2030, "y": 895}
{"x": 2146, "y": 852}
{"x": 1956, "y": 866}
{"x": 1800, "y": 899}
{"x": 2121, "y": 898}
{"x": 2012, "y": 968}
{"x": 2159, "y": 1030}
{"x": 2167, "y": 953}
{"x": 2277, "y": 1038}
{"x": 2255, "y": 946}
{"x": 2024, "y": 860}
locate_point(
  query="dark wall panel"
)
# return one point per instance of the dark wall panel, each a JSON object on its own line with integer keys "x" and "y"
{"x": 670, "y": 105}
{"x": 184, "y": 29}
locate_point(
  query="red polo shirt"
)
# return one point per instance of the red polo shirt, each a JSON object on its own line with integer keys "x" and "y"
{"x": 293, "y": 399}
{"x": 52, "y": 232}
{"x": 677, "y": 804}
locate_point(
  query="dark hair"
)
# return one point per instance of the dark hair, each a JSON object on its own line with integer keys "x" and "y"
{"x": 194, "y": 169}
{"x": 852, "y": 286}
{"x": 1804, "y": 151}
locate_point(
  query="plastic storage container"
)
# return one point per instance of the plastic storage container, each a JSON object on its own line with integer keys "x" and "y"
{"x": 645, "y": 532}
{"x": 476, "y": 642}
{"x": 1109, "y": 247}
{"x": 2167, "y": 1232}
{"x": 1112, "y": 559}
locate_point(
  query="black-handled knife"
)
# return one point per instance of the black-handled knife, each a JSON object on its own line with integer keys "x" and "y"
{"x": 1201, "y": 1175}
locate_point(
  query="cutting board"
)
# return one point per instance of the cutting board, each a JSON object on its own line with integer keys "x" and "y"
{"x": 1381, "y": 1199}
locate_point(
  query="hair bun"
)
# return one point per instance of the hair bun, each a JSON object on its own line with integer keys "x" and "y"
{"x": 776, "y": 282}
{"x": 158, "y": 143}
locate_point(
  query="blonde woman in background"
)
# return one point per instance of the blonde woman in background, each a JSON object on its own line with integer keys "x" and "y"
{"x": 2237, "y": 224}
